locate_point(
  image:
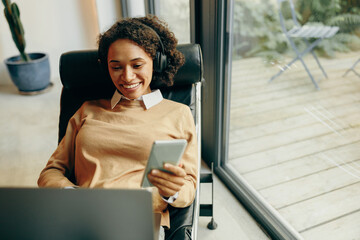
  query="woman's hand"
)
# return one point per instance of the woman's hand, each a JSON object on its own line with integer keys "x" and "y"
{"x": 168, "y": 183}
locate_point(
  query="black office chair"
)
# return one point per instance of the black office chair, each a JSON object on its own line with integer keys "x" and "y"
{"x": 83, "y": 79}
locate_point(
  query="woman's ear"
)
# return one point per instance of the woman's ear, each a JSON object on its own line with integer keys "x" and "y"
{"x": 102, "y": 66}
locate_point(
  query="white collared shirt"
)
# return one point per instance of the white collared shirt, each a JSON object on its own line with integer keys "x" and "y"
{"x": 150, "y": 99}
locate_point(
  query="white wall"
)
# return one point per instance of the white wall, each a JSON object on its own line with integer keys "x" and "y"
{"x": 54, "y": 27}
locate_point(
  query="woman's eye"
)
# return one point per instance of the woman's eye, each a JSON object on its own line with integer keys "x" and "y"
{"x": 116, "y": 67}
{"x": 137, "y": 65}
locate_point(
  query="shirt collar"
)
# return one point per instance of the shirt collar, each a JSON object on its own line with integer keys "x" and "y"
{"x": 150, "y": 99}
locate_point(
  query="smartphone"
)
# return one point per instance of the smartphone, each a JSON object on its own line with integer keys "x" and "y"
{"x": 163, "y": 151}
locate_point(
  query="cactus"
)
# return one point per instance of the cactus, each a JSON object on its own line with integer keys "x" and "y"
{"x": 12, "y": 15}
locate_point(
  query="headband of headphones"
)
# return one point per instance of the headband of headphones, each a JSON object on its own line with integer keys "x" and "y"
{"x": 160, "y": 60}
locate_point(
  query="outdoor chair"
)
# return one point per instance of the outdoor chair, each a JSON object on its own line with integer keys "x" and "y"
{"x": 353, "y": 69}
{"x": 83, "y": 79}
{"x": 304, "y": 33}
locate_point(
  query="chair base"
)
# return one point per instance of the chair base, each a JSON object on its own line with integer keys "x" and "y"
{"x": 300, "y": 58}
{"x": 212, "y": 225}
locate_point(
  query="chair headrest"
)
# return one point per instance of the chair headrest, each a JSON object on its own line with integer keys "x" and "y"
{"x": 80, "y": 69}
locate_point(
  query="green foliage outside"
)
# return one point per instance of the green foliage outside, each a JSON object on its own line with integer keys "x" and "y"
{"x": 257, "y": 30}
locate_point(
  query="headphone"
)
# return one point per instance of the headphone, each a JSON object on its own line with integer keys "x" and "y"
{"x": 160, "y": 61}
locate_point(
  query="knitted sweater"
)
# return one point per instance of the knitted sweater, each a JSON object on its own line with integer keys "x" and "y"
{"x": 109, "y": 148}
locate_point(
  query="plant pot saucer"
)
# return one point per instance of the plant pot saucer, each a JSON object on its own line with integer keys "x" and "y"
{"x": 36, "y": 92}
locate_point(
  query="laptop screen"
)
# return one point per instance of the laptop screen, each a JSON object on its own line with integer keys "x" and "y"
{"x": 69, "y": 214}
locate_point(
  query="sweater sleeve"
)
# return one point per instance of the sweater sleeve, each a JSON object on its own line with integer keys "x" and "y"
{"x": 190, "y": 161}
{"x": 61, "y": 164}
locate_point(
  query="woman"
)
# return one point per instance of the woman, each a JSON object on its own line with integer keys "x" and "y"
{"x": 108, "y": 141}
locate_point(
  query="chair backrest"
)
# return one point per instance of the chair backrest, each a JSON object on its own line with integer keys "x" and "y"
{"x": 293, "y": 14}
{"x": 83, "y": 79}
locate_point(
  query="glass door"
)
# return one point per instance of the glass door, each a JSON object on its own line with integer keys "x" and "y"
{"x": 293, "y": 132}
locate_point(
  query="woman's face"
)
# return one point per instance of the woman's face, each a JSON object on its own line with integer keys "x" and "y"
{"x": 130, "y": 68}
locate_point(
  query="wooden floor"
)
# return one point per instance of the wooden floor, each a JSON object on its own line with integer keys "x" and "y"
{"x": 300, "y": 147}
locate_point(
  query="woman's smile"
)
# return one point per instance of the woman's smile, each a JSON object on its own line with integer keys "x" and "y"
{"x": 132, "y": 86}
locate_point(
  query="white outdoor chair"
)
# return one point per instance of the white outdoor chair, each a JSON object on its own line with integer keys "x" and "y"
{"x": 304, "y": 32}
{"x": 353, "y": 69}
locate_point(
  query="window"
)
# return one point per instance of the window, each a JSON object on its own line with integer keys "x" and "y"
{"x": 177, "y": 14}
{"x": 295, "y": 148}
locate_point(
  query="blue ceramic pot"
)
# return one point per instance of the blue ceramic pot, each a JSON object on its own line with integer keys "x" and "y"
{"x": 33, "y": 76}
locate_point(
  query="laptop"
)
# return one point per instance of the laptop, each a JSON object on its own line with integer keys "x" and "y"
{"x": 77, "y": 214}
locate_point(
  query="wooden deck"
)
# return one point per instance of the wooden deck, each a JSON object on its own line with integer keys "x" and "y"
{"x": 300, "y": 147}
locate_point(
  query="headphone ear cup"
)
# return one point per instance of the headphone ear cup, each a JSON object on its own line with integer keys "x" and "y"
{"x": 160, "y": 62}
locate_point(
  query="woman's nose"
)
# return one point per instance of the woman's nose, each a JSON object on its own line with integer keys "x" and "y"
{"x": 128, "y": 74}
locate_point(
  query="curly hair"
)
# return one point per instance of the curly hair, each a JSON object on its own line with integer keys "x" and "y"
{"x": 138, "y": 31}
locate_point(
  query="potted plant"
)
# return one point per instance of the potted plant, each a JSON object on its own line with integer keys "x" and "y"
{"x": 29, "y": 72}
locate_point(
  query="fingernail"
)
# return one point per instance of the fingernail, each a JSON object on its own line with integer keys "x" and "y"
{"x": 166, "y": 165}
{"x": 155, "y": 171}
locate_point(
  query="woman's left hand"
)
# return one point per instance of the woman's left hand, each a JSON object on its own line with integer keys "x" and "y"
{"x": 168, "y": 183}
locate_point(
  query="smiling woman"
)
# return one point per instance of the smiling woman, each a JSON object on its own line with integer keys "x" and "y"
{"x": 108, "y": 141}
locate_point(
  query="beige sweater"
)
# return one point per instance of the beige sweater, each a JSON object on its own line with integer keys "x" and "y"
{"x": 109, "y": 148}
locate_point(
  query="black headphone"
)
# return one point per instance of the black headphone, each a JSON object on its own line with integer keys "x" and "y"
{"x": 160, "y": 61}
